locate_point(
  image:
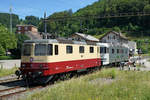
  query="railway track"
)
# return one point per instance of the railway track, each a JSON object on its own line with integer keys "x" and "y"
{"x": 6, "y": 93}
{"x": 8, "y": 80}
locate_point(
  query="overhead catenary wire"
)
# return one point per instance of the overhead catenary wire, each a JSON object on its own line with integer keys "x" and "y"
{"x": 117, "y": 15}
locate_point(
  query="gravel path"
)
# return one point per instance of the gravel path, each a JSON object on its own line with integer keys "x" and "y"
{"x": 8, "y": 77}
{"x": 144, "y": 62}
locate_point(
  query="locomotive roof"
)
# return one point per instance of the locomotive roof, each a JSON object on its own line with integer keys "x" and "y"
{"x": 63, "y": 41}
{"x": 110, "y": 44}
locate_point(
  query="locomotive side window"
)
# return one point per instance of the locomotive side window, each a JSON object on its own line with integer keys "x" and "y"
{"x": 91, "y": 49}
{"x": 40, "y": 50}
{"x": 107, "y": 50}
{"x": 117, "y": 50}
{"x": 26, "y": 50}
{"x": 50, "y": 49}
{"x": 113, "y": 51}
{"x": 56, "y": 49}
{"x": 126, "y": 51}
{"x": 81, "y": 49}
{"x": 122, "y": 51}
{"x": 103, "y": 50}
{"x": 69, "y": 49}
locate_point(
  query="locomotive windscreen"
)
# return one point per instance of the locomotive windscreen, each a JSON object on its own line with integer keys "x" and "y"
{"x": 43, "y": 49}
{"x": 26, "y": 50}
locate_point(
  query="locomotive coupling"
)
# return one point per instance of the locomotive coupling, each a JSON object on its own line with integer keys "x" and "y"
{"x": 18, "y": 73}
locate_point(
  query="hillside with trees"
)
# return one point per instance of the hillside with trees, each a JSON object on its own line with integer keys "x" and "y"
{"x": 130, "y": 26}
{"x": 31, "y": 20}
{"x": 5, "y": 19}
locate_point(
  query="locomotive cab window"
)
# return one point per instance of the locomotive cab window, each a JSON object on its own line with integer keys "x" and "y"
{"x": 43, "y": 49}
{"x": 69, "y": 49}
{"x": 26, "y": 50}
{"x": 56, "y": 49}
{"x": 91, "y": 49}
{"x": 113, "y": 50}
{"x": 81, "y": 49}
{"x": 50, "y": 49}
{"x": 40, "y": 50}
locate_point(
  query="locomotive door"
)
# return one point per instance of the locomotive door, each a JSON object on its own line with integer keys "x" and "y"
{"x": 98, "y": 56}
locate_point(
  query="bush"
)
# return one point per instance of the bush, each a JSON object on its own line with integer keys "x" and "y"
{"x": 2, "y": 51}
{"x": 5, "y": 57}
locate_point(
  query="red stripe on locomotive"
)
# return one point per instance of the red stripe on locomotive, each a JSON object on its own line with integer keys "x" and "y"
{"x": 60, "y": 67}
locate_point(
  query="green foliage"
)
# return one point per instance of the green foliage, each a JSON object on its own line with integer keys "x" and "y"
{"x": 31, "y": 20}
{"x": 4, "y": 19}
{"x": 143, "y": 44}
{"x": 2, "y": 50}
{"x": 147, "y": 8}
{"x": 7, "y": 40}
{"x": 20, "y": 39}
{"x": 6, "y": 57}
{"x": 132, "y": 26}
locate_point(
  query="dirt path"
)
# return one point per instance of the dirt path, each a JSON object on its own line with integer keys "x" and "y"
{"x": 145, "y": 63}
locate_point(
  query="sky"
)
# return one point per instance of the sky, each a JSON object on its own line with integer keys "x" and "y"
{"x": 38, "y": 7}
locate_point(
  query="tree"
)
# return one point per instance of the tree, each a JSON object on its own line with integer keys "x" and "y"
{"x": 32, "y": 20}
{"x": 5, "y": 19}
{"x": 8, "y": 40}
{"x": 20, "y": 39}
{"x": 147, "y": 8}
{"x": 95, "y": 25}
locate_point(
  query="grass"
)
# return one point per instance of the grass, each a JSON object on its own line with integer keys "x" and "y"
{"x": 127, "y": 85}
{"x": 5, "y": 72}
{"x": 143, "y": 55}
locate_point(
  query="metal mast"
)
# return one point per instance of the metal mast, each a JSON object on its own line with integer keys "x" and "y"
{"x": 45, "y": 25}
{"x": 10, "y": 12}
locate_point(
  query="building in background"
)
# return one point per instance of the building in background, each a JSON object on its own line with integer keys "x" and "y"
{"x": 118, "y": 38}
{"x": 30, "y": 30}
{"x": 113, "y": 37}
{"x": 22, "y": 29}
{"x": 84, "y": 38}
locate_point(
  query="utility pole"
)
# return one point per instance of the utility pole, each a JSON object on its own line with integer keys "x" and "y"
{"x": 45, "y": 25}
{"x": 10, "y": 12}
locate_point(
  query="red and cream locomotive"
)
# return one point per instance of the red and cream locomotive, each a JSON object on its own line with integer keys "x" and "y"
{"x": 43, "y": 59}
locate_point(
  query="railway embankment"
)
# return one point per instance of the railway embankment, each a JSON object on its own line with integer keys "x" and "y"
{"x": 100, "y": 85}
{"x": 107, "y": 84}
